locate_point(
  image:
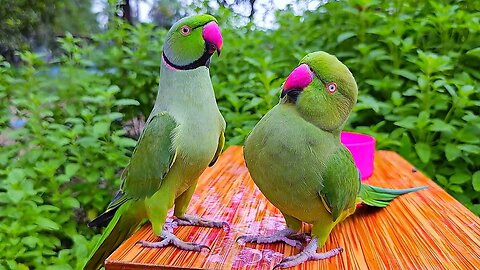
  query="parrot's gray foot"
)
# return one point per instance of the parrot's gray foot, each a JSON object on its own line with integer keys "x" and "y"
{"x": 300, "y": 236}
{"x": 280, "y": 236}
{"x": 308, "y": 254}
{"x": 188, "y": 220}
{"x": 171, "y": 239}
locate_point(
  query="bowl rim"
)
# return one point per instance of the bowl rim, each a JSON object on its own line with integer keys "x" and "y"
{"x": 369, "y": 140}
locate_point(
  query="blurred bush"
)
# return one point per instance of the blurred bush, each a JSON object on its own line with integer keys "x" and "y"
{"x": 60, "y": 168}
{"x": 63, "y": 146}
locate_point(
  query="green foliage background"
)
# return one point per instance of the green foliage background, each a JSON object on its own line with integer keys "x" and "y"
{"x": 416, "y": 64}
{"x": 25, "y": 23}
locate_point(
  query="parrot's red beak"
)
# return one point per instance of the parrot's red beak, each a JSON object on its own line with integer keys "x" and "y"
{"x": 213, "y": 37}
{"x": 300, "y": 78}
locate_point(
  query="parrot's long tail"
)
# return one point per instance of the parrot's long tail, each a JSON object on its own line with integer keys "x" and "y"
{"x": 122, "y": 225}
{"x": 381, "y": 197}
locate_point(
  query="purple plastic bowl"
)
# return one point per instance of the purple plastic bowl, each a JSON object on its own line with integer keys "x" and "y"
{"x": 362, "y": 148}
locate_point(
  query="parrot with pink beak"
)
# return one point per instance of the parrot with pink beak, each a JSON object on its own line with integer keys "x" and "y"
{"x": 183, "y": 135}
{"x": 296, "y": 159}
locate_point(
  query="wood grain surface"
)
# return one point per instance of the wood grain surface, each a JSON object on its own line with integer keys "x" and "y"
{"x": 428, "y": 229}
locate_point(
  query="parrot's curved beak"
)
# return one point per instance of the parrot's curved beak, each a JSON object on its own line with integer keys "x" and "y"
{"x": 213, "y": 37}
{"x": 300, "y": 78}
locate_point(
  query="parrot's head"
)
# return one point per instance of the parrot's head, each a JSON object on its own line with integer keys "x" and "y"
{"x": 323, "y": 91}
{"x": 191, "y": 42}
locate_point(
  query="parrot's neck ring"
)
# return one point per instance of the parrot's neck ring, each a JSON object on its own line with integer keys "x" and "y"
{"x": 204, "y": 60}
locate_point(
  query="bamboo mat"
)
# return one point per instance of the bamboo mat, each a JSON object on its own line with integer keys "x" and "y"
{"x": 424, "y": 230}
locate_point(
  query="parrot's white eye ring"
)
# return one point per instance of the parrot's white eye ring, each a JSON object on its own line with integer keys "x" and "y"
{"x": 185, "y": 30}
{"x": 332, "y": 87}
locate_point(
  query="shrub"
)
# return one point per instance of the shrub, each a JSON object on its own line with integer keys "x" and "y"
{"x": 70, "y": 146}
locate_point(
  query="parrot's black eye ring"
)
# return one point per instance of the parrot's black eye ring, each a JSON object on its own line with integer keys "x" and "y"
{"x": 185, "y": 30}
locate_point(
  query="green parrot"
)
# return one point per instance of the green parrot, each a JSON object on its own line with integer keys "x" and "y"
{"x": 183, "y": 135}
{"x": 296, "y": 159}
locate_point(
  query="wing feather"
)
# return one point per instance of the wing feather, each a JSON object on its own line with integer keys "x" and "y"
{"x": 152, "y": 158}
{"x": 221, "y": 143}
{"x": 340, "y": 183}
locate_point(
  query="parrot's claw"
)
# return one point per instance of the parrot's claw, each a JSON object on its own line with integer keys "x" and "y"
{"x": 308, "y": 254}
{"x": 171, "y": 239}
{"x": 195, "y": 221}
{"x": 280, "y": 236}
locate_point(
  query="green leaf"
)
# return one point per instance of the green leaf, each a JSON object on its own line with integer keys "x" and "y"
{"x": 11, "y": 264}
{"x": 49, "y": 208}
{"x": 46, "y": 223}
{"x": 469, "y": 133}
{"x": 476, "y": 181}
{"x": 475, "y": 209}
{"x": 396, "y": 98}
{"x": 88, "y": 141}
{"x": 422, "y": 82}
{"x": 127, "y": 102}
{"x": 115, "y": 116}
{"x": 16, "y": 175}
{"x": 22, "y": 266}
{"x": 71, "y": 169}
{"x": 126, "y": 142}
{"x": 423, "y": 151}
{"x": 30, "y": 241}
{"x": 439, "y": 125}
{"x": 253, "y": 103}
{"x": 407, "y": 122}
{"x": 405, "y": 73}
{"x": 441, "y": 179}
{"x": 15, "y": 195}
{"x": 71, "y": 203}
{"x": 344, "y": 36}
{"x": 369, "y": 102}
{"x": 101, "y": 128}
{"x": 60, "y": 267}
{"x": 423, "y": 119}
{"x": 459, "y": 178}
{"x": 452, "y": 152}
{"x": 474, "y": 52}
{"x": 455, "y": 188}
{"x": 470, "y": 148}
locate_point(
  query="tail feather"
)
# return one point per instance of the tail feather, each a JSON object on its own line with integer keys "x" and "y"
{"x": 122, "y": 225}
{"x": 104, "y": 219}
{"x": 381, "y": 197}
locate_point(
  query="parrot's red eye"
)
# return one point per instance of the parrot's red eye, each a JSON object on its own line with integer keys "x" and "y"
{"x": 332, "y": 87}
{"x": 185, "y": 30}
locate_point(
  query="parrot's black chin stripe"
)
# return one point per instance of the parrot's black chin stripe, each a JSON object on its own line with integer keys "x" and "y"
{"x": 204, "y": 60}
{"x": 292, "y": 95}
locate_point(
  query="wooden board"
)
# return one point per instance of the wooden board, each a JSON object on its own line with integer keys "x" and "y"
{"x": 428, "y": 229}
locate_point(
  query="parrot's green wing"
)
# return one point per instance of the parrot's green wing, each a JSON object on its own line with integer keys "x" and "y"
{"x": 340, "y": 183}
{"x": 150, "y": 162}
{"x": 152, "y": 158}
{"x": 221, "y": 143}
